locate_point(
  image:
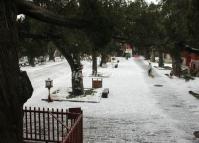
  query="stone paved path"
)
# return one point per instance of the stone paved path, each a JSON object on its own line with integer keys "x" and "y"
{"x": 134, "y": 118}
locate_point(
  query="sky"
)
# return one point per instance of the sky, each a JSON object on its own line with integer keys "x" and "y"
{"x": 154, "y": 1}
{"x": 149, "y": 1}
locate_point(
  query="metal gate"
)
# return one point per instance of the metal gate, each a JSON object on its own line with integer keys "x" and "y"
{"x": 53, "y": 125}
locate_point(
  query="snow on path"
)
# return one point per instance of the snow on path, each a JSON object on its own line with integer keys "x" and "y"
{"x": 59, "y": 72}
{"x": 135, "y": 112}
{"x": 174, "y": 99}
{"x": 131, "y": 114}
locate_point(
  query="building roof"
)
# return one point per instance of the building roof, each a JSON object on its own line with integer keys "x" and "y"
{"x": 191, "y": 50}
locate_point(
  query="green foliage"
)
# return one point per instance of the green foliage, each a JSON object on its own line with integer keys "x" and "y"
{"x": 193, "y": 23}
{"x": 181, "y": 21}
{"x": 33, "y": 49}
{"x": 76, "y": 42}
{"x": 28, "y": 46}
{"x": 97, "y": 13}
{"x": 105, "y": 18}
{"x": 161, "y": 25}
{"x": 140, "y": 23}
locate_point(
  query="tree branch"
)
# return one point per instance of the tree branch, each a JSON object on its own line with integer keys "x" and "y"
{"x": 120, "y": 39}
{"x": 29, "y": 9}
{"x": 45, "y": 36}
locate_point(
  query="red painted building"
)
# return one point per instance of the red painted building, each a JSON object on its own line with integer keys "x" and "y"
{"x": 191, "y": 58}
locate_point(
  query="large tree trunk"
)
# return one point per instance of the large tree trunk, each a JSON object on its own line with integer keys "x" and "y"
{"x": 51, "y": 54}
{"x": 94, "y": 63}
{"x": 77, "y": 77}
{"x": 76, "y": 69}
{"x": 51, "y": 57}
{"x": 161, "y": 60}
{"x": 153, "y": 55}
{"x": 147, "y": 53}
{"x": 104, "y": 59}
{"x": 77, "y": 82}
{"x": 176, "y": 65}
{"x": 15, "y": 87}
{"x": 176, "y": 61}
{"x": 31, "y": 61}
{"x": 51, "y": 50}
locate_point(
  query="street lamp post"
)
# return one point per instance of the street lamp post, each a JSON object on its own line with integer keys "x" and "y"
{"x": 49, "y": 85}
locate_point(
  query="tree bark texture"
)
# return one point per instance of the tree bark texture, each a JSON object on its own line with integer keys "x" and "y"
{"x": 31, "y": 61}
{"x": 161, "y": 59}
{"x": 51, "y": 57}
{"x": 176, "y": 66}
{"x": 76, "y": 68}
{"x": 15, "y": 86}
{"x": 51, "y": 52}
{"x": 176, "y": 60}
{"x": 147, "y": 53}
{"x": 39, "y": 13}
{"x": 153, "y": 55}
{"x": 94, "y": 63}
{"x": 104, "y": 59}
{"x": 77, "y": 77}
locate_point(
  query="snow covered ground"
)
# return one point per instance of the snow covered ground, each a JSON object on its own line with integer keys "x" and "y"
{"x": 136, "y": 110}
